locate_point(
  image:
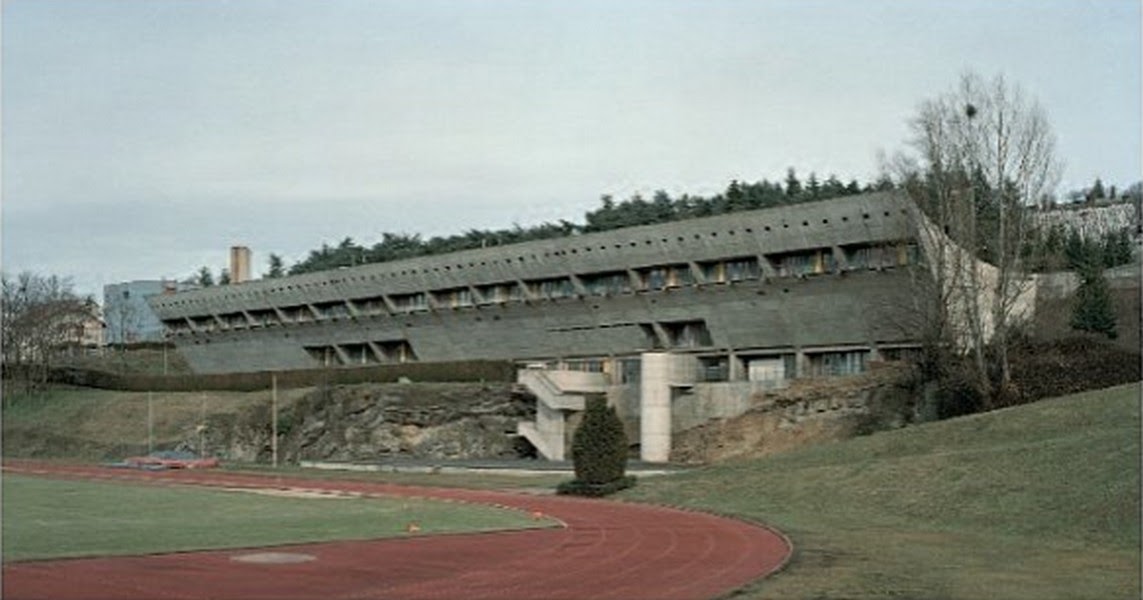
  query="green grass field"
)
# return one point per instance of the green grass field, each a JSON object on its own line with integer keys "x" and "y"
{"x": 45, "y": 518}
{"x": 1039, "y": 501}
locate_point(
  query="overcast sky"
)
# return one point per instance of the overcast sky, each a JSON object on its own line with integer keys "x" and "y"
{"x": 143, "y": 138}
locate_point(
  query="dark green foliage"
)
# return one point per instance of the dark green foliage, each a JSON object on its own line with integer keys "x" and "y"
{"x": 610, "y": 215}
{"x": 457, "y": 372}
{"x": 1057, "y": 248}
{"x": 599, "y": 447}
{"x": 277, "y": 267}
{"x": 204, "y": 277}
{"x": 1046, "y": 369}
{"x": 576, "y": 487}
{"x": 1093, "y": 311}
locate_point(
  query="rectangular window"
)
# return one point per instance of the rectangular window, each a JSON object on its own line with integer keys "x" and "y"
{"x": 688, "y": 334}
{"x": 332, "y": 310}
{"x": 770, "y": 368}
{"x": 454, "y": 298}
{"x": 809, "y": 262}
{"x": 607, "y": 284}
{"x": 263, "y": 318}
{"x": 371, "y": 306}
{"x": 883, "y": 256}
{"x": 359, "y": 354}
{"x": 838, "y": 363}
{"x": 742, "y": 269}
{"x": 662, "y": 277}
{"x": 325, "y": 356}
{"x": 713, "y": 272}
{"x": 714, "y": 368}
{"x": 410, "y": 302}
{"x": 396, "y": 351}
{"x": 500, "y": 293}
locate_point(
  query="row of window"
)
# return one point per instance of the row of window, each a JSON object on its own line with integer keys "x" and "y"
{"x": 363, "y": 353}
{"x": 286, "y": 286}
{"x": 805, "y": 263}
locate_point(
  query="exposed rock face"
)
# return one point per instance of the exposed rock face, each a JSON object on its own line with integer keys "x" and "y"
{"x": 371, "y": 421}
{"x": 809, "y": 411}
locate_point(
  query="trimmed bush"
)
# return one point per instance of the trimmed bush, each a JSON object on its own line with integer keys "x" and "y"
{"x": 599, "y": 452}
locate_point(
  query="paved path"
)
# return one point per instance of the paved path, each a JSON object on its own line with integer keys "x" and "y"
{"x": 606, "y": 550}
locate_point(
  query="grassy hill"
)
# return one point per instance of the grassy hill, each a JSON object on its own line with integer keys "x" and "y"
{"x": 1038, "y": 501}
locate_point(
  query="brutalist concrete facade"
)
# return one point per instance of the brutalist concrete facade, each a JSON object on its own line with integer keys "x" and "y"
{"x": 816, "y": 287}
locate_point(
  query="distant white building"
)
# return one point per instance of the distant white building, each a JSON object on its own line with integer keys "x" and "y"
{"x": 129, "y": 317}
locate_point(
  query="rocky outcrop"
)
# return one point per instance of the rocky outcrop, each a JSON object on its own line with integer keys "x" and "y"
{"x": 808, "y": 411}
{"x": 373, "y": 421}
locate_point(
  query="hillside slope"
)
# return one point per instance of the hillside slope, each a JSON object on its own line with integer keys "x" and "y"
{"x": 1037, "y": 501}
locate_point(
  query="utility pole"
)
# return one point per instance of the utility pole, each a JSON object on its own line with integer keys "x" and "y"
{"x": 150, "y": 423}
{"x": 274, "y": 418}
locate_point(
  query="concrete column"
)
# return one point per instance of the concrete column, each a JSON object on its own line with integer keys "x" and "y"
{"x": 655, "y": 407}
{"x": 659, "y": 372}
{"x": 801, "y": 364}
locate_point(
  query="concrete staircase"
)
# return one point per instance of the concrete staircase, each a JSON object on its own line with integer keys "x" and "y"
{"x": 558, "y": 394}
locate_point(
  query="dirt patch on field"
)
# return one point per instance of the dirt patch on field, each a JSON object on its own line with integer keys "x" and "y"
{"x": 295, "y": 493}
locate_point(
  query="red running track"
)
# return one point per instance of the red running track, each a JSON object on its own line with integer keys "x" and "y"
{"x": 607, "y": 550}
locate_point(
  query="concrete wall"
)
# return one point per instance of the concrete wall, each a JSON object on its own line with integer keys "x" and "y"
{"x": 770, "y": 311}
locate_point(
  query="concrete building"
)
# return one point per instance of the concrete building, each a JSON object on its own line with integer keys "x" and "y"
{"x": 647, "y": 315}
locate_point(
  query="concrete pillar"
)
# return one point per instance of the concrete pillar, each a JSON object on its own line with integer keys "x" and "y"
{"x": 655, "y": 408}
{"x": 659, "y": 372}
{"x": 801, "y": 364}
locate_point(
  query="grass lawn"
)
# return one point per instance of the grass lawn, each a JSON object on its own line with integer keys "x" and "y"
{"x": 1040, "y": 501}
{"x": 46, "y": 518}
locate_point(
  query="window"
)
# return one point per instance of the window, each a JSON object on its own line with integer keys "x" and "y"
{"x": 731, "y": 269}
{"x": 410, "y": 302}
{"x": 325, "y": 356}
{"x": 500, "y": 293}
{"x": 657, "y": 278}
{"x": 687, "y": 334}
{"x": 607, "y": 284}
{"x": 263, "y": 318}
{"x": 882, "y": 256}
{"x": 560, "y": 287}
{"x": 454, "y": 298}
{"x": 838, "y": 363}
{"x": 714, "y": 368}
{"x": 359, "y": 354}
{"x": 396, "y": 351}
{"x": 811, "y": 262}
{"x": 371, "y": 306}
{"x": 332, "y": 310}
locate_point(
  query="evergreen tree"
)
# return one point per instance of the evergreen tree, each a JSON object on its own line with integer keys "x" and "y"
{"x": 1097, "y": 192}
{"x": 793, "y": 186}
{"x": 224, "y": 277}
{"x": 813, "y": 186}
{"x": 204, "y": 277}
{"x": 1093, "y": 311}
{"x": 599, "y": 446}
{"x": 277, "y": 267}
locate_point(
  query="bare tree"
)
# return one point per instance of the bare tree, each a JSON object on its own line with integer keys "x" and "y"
{"x": 41, "y": 316}
{"x": 982, "y": 156}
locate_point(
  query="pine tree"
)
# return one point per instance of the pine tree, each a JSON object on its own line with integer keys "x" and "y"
{"x": 793, "y": 186}
{"x": 599, "y": 446}
{"x": 1093, "y": 311}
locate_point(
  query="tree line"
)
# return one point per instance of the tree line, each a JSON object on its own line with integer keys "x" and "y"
{"x": 610, "y": 214}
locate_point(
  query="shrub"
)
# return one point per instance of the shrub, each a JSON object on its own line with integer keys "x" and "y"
{"x": 599, "y": 452}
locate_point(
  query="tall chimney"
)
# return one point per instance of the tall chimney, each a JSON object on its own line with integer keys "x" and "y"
{"x": 239, "y": 264}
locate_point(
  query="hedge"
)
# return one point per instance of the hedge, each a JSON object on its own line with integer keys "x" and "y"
{"x": 461, "y": 371}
